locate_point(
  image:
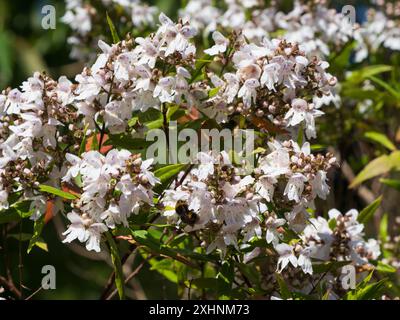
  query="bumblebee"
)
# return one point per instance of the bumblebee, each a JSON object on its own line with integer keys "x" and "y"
{"x": 187, "y": 216}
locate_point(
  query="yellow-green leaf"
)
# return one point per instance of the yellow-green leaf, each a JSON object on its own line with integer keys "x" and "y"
{"x": 381, "y": 139}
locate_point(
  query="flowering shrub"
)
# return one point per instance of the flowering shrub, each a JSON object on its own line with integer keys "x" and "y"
{"x": 252, "y": 225}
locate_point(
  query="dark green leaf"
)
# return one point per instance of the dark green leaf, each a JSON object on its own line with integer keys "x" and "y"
{"x": 369, "y": 211}
{"x": 119, "y": 276}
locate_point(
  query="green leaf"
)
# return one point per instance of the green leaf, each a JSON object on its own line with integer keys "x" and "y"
{"x": 167, "y": 174}
{"x": 369, "y": 292}
{"x": 381, "y": 139}
{"x": 369, "y": 211}
{"x": 328, "y": 266}
{"x": 37, "y": 231}
{"x": 123, "y": 141}
{"x": 42, "y": 245}
{"x": 383, "y": 228}
{"x": 164, "y": 267}
{"x": 332, "y": 224}
{"x": 119, "y": 276}
{"x": 366, "y": 72}
{"x": 395, "y": 184}
{"x": 213, "y": 92}
{"x": 378, "y": 166}
{"x": 226, "y": 272}
{"x": 18, "y": 210}
{"x": 114, "y": 33}
{"x": 57, "y": 192}
{"x": 386, "y": 86}
{"x": 20, "y": 236}
{"x": 385, "y": 268}
{"x": 366, "y": 291}
{"x": 284, "y": 290}
{"x": 82, "y": 147}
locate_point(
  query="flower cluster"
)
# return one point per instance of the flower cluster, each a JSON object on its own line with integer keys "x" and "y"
{"x": 126, "y": 76}
{"x": 114, "y": 187}
{"x": 380, "y": 30}
{"x": 274, "y": 81}
{"x": 227, "y": 207}
{"x": 215, "y": 199}
{"x": 36, "y": 125}
{"x": 311, "y": 23}
{"x": 83, "y": 18}
{"x": 339, "y": 239}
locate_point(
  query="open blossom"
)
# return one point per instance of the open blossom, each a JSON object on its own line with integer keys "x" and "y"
{"x": 302, "y": 111}
{"x": 286, "y": 256}
{"x": 220, "y": 46}
{"x": 84, "y": 229}
{"x": 114, "y": 187}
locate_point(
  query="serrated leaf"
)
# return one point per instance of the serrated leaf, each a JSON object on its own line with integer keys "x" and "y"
{"x": 57, "y": 192}
{"x": 116, "y": 260}
{"x": 381, "y": 139}
{"x": 369, "y": 211}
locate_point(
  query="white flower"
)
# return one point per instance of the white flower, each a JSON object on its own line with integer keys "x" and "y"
{"x": 248, "y": 92}
{"x": 273, "y": 236}
{"x": 295, "y": 187}
{"x": 232, "y": 86}
{"x": 85, "y": 230}
{"x": 251, "y": 255}
{"x": 302, "y": 111}
{"x": 221, "y": 43}
{"x": 78, "y": 19}
{"x": 270, "y": 75}
{"x": 304, "y": 260}
{"x": 116, "y": 115}
{"x": 286, "y": 256}
{"x": 3, "y": 199}
{"x": 164, "y": 89}
{"x": 319, "y": 186}
{"x": 265, "y": 187}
